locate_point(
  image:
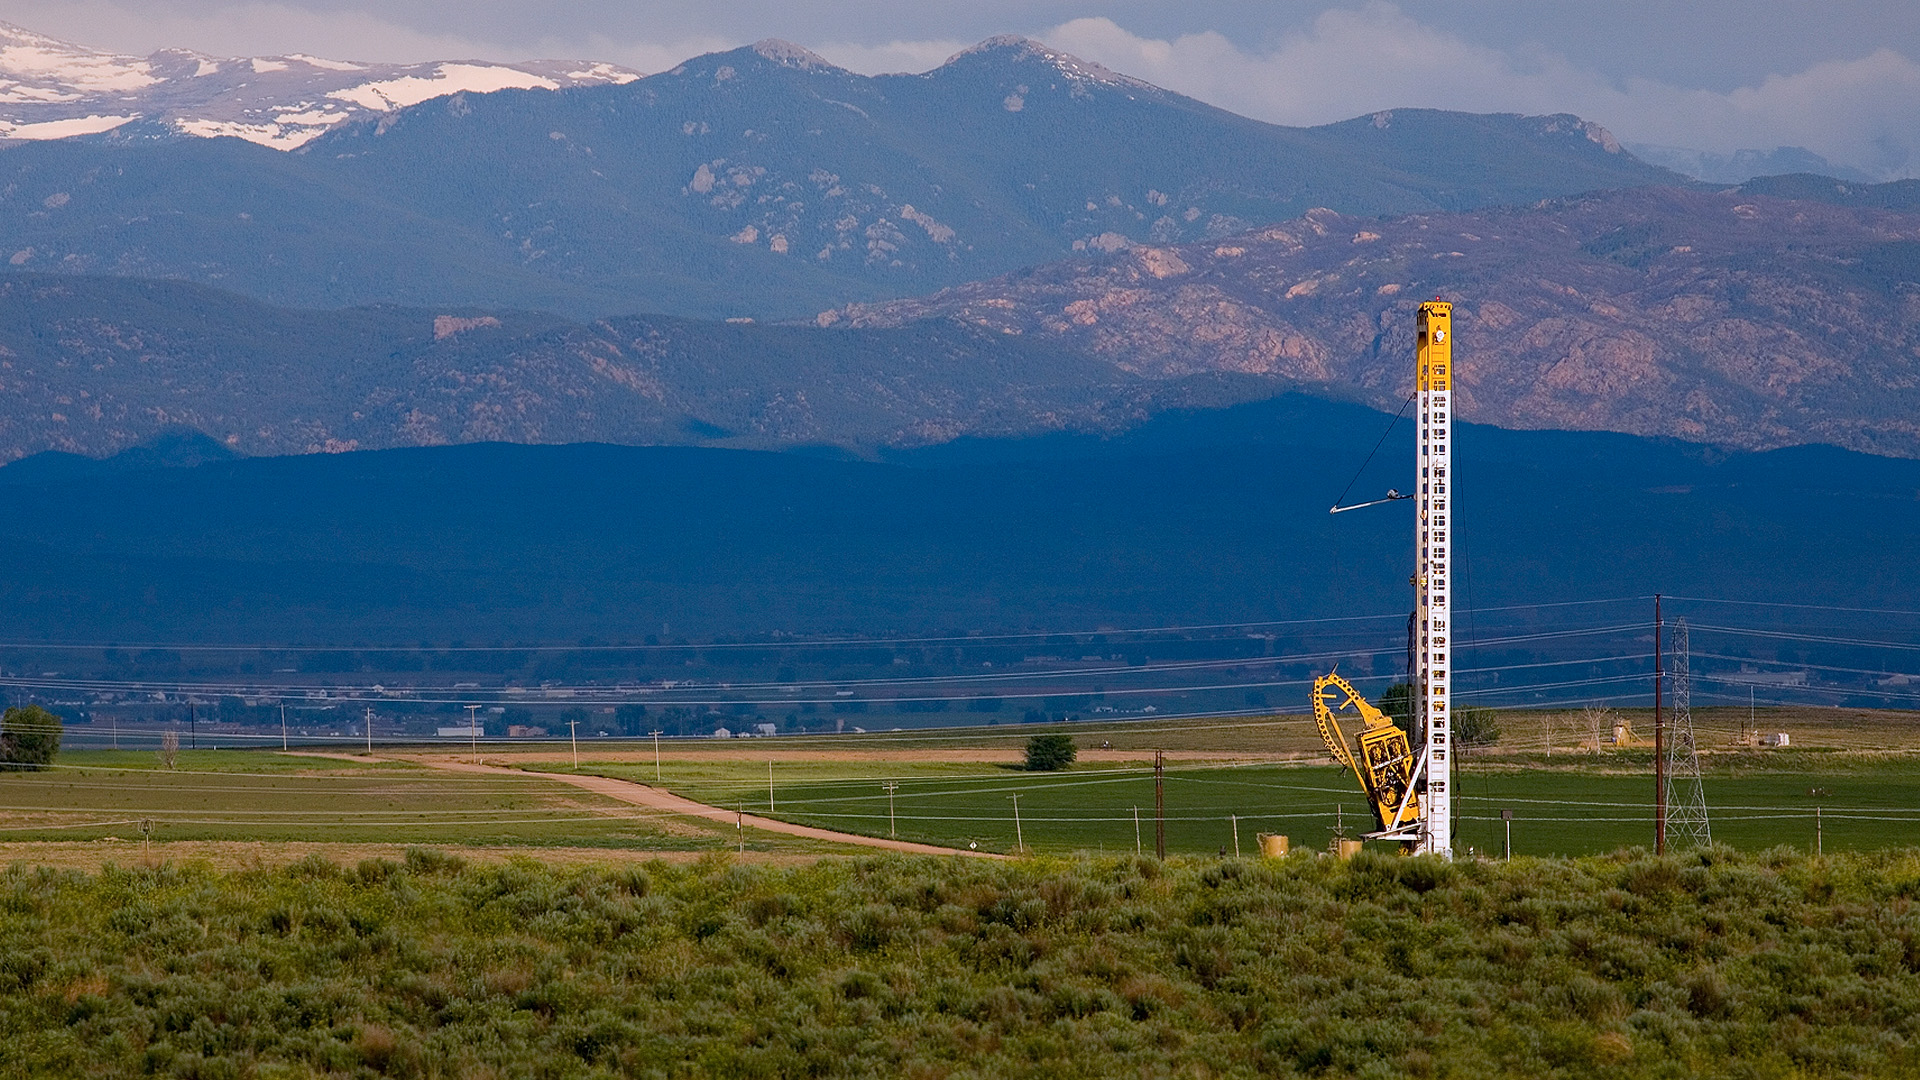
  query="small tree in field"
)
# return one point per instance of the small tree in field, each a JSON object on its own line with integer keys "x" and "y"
{"x": 29, "y": 738}
{"x": 1050, "y": 753}
{"x": 1474, "y": 726}
{"x": 1397, "y": 703}
{"x": 169, "y": 747}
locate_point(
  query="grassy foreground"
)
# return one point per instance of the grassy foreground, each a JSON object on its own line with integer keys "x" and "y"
{"x": 1710, "y": 964}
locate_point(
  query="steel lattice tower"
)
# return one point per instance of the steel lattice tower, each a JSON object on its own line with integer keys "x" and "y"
{"x": 1434, "y": 388}
{"x": 1686, "y": 796}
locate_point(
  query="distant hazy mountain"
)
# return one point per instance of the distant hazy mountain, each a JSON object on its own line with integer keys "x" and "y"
{"x": 1744, "y": 165}
{"x": 1191, "y": 520}
{"x": 762, "y": 181}
{"x": 1902, "y": 195}
{"x": 170, "y": 448}
{"x": 51, "y": 89}
{"x": 92, "y": 365}
{"x": 1733, "y": 317}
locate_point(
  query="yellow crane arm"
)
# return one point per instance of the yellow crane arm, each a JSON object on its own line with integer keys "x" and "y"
{"x": 1384, "y": 762}
{"x": 1329, "y": 726}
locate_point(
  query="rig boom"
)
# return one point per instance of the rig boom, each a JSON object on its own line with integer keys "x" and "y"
{"x": 1383, "y": 764}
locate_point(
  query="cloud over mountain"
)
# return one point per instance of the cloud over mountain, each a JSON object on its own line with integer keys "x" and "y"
{"x": 1863, "y": 112}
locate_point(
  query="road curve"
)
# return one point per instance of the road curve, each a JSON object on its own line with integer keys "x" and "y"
{"x": 654, "y": 798}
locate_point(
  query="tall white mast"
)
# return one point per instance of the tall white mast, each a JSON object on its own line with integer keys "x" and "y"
{"x": 1434, "y": 389}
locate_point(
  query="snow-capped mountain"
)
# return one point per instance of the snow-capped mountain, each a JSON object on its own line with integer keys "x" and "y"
{"x": 52, "y": 89}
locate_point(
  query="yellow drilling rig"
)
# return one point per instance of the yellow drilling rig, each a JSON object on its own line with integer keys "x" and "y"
{"x": 1411, "y": 795}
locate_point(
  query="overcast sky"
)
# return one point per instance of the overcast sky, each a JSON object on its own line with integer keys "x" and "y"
{"x": 1840, "y": 77}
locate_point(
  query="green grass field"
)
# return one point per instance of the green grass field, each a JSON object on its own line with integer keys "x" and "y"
{"x": 1582, "y": 806}
{"x": 1564, "y": 805}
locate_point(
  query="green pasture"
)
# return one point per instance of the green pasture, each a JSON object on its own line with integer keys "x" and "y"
{"x": 261, "y": 796}
{"x": 1587, "y": 806}
{"x": 1561, "y": 806}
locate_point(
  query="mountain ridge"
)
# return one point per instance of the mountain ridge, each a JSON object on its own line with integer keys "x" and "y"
{"x": 756, "y": 182}
{"x": 1731, "y": 317}
{"x": 52, "y": 89}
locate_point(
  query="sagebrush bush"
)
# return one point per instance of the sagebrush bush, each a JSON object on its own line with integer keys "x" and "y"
{"x": 1707, "y": 964}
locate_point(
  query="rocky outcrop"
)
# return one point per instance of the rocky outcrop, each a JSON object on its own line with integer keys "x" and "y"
{"x": 1723, "y": 317}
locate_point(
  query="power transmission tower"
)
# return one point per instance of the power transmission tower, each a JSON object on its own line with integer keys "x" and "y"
{"x": 1686, "y": 796}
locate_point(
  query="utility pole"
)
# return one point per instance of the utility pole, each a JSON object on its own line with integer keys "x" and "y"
{"x": 1819, "y": 837}
{"x": 193, "y": 726}
{"x": 656, "y": 755}
{"x": 1019, "y": 839}
{"x": 573, "y": 733}
{"x": 1506, "y": 818}
{"x": 1235, "y": 818}
{"x": 891, "y": 786}
{"x": 1659, "y": 741}
{"x": 369, "y": 731}
{"x": 473, "y": 730}
{"x": 769, "y": 785}
{"x": 283, "y": 727}
{"x": 1160, "y": 804}
{"x": 1136, "y": 831}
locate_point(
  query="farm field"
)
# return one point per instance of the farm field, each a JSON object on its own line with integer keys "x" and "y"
{"x": 1757, "y": 801}
{"x": 225, "y": 803}
{"x": 1225, "y": 776}
{"x": 1247, "y": 737}
{"x": 1855, "y": 768}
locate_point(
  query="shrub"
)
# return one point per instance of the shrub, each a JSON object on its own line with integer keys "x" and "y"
{"x": 1050, "y": 753}
{"x": 1725, "y": 966}
{"x": 29, "y": 738}
{"x": 1475, "y": 727}
{"x": 1397, "y": 703}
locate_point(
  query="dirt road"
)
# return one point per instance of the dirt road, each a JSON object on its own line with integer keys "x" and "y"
{"x": 654, "y": 798}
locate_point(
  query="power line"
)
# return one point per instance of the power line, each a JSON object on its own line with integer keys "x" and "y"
{"x": 358, "y": 693}
{"x": 1799, "y": 607}
{"x": 783, "y": 642}
{"x": 1819, "y": 639}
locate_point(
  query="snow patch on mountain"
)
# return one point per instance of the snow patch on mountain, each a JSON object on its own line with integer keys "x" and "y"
{"x": 446, "y": 79}
{"x": 52, "y": 89}
{"x": 62, "y": 129}
{"x": 29, "y": 60}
